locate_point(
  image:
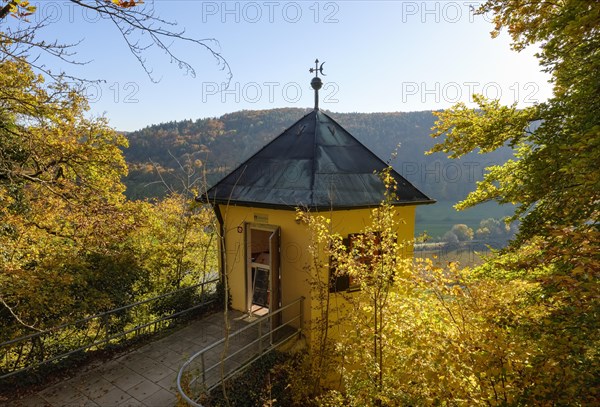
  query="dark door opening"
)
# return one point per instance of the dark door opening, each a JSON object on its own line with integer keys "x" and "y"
{"x": 263, "y": 270}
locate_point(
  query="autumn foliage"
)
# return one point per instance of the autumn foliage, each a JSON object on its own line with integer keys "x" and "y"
{"x": 71, "y": 245}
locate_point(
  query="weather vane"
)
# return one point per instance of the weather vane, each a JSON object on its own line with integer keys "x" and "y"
{"x": 318, "y": 69}
{"x": 316, "y": 82}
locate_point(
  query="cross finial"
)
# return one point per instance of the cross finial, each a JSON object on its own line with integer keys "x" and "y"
{"x": 316, "y": 82}
{"x": 318, "y": 69}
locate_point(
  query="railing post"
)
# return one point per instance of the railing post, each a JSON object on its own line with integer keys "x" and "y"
{"x": 301, "y": 315}
{"x": 260, "y": 344}
{"x": 203, "y": 371}
{"x": 106, "y": 321}
{"x": 202, "y": 299}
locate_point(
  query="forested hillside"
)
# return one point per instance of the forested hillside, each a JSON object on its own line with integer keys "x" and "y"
{"x": 216, "y": 145}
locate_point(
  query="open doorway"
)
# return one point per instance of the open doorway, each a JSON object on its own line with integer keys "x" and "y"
{"x": 263, "y": 270}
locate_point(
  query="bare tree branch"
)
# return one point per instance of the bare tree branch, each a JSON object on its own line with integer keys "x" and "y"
{"x": 17, "y": 318}
{"x": 133, "y": 20}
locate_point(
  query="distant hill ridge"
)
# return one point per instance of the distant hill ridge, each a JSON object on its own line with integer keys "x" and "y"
{"x": 217, "y": 145}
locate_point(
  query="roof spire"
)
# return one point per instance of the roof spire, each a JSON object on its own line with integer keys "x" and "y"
{"x": 316, "y": 82}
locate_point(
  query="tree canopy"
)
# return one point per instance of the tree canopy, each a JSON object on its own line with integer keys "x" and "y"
{"x": 61, "y": 195}
{"x": 554, "y": 178}
{"x": 71, "y": 244}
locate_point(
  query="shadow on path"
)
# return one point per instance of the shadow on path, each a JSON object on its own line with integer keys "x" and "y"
{"x": 143, "y": 377}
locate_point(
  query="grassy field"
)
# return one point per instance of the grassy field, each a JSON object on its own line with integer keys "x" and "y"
{"x": 439, "y": 218}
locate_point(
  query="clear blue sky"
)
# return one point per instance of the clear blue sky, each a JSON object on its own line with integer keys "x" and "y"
{"x": 379, "y": 57}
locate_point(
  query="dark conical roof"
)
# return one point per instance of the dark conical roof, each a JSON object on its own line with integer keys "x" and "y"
{"x": 316, "y": 164}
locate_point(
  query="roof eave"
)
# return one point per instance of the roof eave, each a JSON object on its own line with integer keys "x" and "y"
{"x": 267, "y": 205}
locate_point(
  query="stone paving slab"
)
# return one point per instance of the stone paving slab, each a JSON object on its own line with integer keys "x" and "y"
{"x": 144, "y": 377}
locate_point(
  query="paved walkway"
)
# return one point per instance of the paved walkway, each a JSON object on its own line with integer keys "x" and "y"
{"x": 143, "y": 377}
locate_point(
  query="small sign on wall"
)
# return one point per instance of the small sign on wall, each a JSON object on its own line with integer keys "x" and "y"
{"x": 261, "y": 218}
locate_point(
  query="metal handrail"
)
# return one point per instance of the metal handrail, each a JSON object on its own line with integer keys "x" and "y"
{"x": 261, "y": 352}
{"x": 103, "y": 315}
{"x": 299, "y": 317}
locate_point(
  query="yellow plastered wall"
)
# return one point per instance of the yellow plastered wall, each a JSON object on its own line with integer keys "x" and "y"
{"x": 294, "y": 241}
{"x": 294, "y": 256}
